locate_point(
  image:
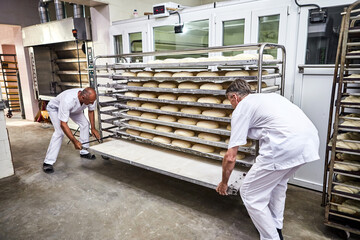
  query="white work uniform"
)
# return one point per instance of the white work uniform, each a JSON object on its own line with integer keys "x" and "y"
{"x": 67, "y": 105}
{"x": 287, "y": 140}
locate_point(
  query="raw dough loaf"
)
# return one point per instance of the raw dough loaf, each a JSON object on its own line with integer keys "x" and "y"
{"x": 207, "y": 74}
{"x": 350, "y": 123}
{"x": 171, "y": 60}
{"x": 348, "y": 136}
{"x": 134, "y": 123}
{"x": 237, "y": 73}
{"x": 133, "y": 113}
{"x": 253, "y": 85}
{"x": 167, "y": 118}
{"x": 191, "y": 110}
{"x": 207, "y": 124}
{"x": 150, "y": 84}
{"x": 239, "y": 156}
{"x": 133, "y": 104}
{"x": 348, "y": 189}
{"x": 132, "y": 132}
{"x": 149, "y": 115}
{"x": 345, "y": 156}
{"x": 211, "y": 86}
{"x": 128, "y": 74}
{"x": 245, "y": 56}
{"x": 167, "y": 96}
{"x": 214, "y": 113}
{"x": 187, "y": 121}
{"x": 183, "y": 74}
{"x": 150, "y": 105}
{"x": 147, "y": 95}
{"x": 209, "y": 100}
{"x": 354, "y": 76}
{"x": 131, "y": 94}
{"x": 184, "y": 132}
{"x": 168, "y": 85}
{"x": 147, "y": 135}
{"x": 187, "y": 98}
{"x": 161, "y": 128}
{"x": 163, "y": 74}
{"x": 134, "y": 84}
{"x": 347, "y": 167}
{"x": 169, "y": 108}
{"x": 181, "y": 143}
{"x": 188, "y": 85}
{"x": 147, "y": 125}
{"x": 209, "y": 137}
{"x": 203, "y": 148}
{"x": 268, "y": 57}
{"x": 226, "y": 101}
{"x": 187, "y": 60}
{"x": 228, "y": 127}
{"x": 255, "y": 72}
{"x": 352, "y": 99}
{"x": 162, "y": 139}
{"x": 145, "y": 74}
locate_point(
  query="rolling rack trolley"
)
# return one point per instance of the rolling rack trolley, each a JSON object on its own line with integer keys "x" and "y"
{"x": 9, "y": 81}
{"x": 341, "y": 192}
{"x": 116, "y": 114}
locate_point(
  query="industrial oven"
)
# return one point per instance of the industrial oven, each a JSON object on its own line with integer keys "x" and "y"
{"x": 171, "y": 116}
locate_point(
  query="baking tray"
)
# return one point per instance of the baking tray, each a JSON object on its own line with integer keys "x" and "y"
{"x": 178, "y": 114}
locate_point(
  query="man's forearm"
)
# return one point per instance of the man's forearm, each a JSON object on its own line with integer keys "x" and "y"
{"x": 228, "y": 163}
{"x": 67, "y": 131}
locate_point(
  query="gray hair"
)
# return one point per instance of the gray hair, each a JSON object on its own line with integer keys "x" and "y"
{"x": 240, "y": 87}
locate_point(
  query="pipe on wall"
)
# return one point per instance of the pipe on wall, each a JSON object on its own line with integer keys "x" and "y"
{"x": 59, "y": 9}
{"x": 79, "y": 11}
{"x": 43, "y": 11}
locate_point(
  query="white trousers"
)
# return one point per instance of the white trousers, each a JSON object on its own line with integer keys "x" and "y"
{"x": 263, "y": 193}
{"x": 56, "y": 139}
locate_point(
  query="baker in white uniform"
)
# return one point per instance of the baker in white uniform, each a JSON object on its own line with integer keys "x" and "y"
{"x": 70, "y": 104}
{"x": 287, "y": 139}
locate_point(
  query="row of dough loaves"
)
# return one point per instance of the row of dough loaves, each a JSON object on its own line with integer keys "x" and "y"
{"x": 349, "y": 206}
{"x": 179, "y": 143}
{"x": 187, "y": 110}
{"x": 348, "y": 136}
{"x": 235, "y": 73}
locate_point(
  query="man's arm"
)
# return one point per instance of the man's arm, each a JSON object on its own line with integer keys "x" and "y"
{"x": 92, "y": 124}
{"x": 68, "y": 133}
{"x": 228, "y": 165}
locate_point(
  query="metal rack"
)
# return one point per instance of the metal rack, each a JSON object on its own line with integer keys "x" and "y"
{"x": 342, "y": 161}
{"x": 10, "y": 83}
{"x": 117, "y": 118}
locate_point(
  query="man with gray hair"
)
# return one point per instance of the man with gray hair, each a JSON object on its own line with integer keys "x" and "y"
{"x": 70, "y": 104}
{"x": 287, "y": 139}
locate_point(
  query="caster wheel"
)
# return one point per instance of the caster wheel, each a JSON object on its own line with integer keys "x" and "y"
{"x": 105, "y": 157}
{"x": 9, "y": 115}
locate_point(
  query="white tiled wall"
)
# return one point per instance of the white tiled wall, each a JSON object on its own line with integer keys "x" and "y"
{"x": 6, "y": 166}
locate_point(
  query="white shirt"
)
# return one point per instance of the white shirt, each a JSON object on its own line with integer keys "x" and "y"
{"x": 287, "y": 138}
{"x": 67, "y": 103}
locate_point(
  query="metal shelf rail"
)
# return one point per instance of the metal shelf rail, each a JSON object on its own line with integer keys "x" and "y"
{"x": 116, "y": 115}
{"x": 341, "y": 184}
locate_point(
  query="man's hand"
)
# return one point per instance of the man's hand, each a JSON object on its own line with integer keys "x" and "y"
{"x": 95, "y": 133}
{"x": 77, "y": 144}
{"x": 222, "y": 188}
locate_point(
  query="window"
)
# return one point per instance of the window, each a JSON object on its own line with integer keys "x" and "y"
{"x": 195, "y": 35}
{"x": 233, "y": 34}
{"x": 322, "y": 38}
{"x": 118, "y": 45}
{"x": 269, "y": 31}
{"x": 135, "y": 43}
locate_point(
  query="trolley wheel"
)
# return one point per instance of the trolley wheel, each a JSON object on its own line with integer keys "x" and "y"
{"x": 343, "y": 234}
{"x": 9, "y": 114}
{"x": 105, "y": 157}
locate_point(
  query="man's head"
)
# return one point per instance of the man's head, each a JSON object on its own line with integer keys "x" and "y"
{"x": 237, "y": 91}
{"x": 87, "y": 96}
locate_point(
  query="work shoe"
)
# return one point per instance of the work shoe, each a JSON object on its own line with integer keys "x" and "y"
{"x": 48, "y": 168}
{"x": 88, "y": 156}
{"x": 280, "y": 234}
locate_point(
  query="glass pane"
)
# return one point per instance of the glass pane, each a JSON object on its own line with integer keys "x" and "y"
{"x": 323, "y": 38}
{"x": 195, "y": 35}
{"x": 135, "y": 45}
{"x": 269, "y": 31}
{"x": 233, "y": 34}
{"x": 118, "y": 46}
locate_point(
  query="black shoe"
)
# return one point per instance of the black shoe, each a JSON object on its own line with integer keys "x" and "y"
{"x": 280, "y": 234}
{"x": 48, "y": 168}
{"x": 88, "y": 156}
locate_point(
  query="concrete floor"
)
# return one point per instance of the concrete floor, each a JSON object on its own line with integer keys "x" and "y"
{"x": 110, "y": 200}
